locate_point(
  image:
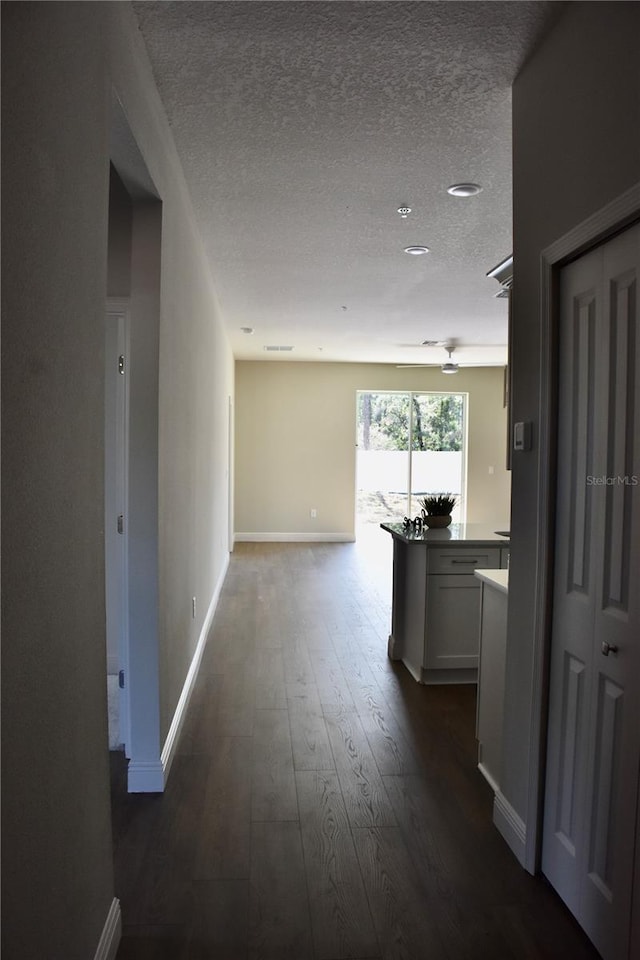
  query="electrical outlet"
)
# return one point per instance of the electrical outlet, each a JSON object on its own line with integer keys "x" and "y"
{"x": 193, "y": 608}
{"x": 314, "y": 513}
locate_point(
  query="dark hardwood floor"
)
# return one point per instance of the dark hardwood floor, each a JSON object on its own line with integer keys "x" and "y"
{"x": 322, "y": 804}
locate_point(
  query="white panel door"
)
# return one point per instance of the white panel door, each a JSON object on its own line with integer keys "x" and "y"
{"x": 594, "y": 717}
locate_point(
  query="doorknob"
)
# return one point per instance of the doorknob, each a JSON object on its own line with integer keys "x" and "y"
{"x": 608, "y": 648}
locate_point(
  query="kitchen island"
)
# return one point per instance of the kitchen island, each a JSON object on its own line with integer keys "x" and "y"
{"x": 436, "y": 599}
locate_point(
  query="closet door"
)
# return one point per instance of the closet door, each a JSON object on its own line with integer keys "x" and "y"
{"x": 594, "y": 716}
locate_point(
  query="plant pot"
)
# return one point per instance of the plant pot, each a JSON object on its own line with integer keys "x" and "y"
{"x": 433, "y": 521}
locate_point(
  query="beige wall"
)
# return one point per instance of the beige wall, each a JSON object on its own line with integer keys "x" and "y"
{"x": 59, "y": 63}
{"x": 296, "y": 433}
{"x": 576, "y": 117}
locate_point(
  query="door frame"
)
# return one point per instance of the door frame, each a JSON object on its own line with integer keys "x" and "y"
{"x": 119, "y": 308}
{"x": 605, "y": 223}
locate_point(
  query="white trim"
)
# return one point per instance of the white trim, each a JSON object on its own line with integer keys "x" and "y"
{"x": 111, "y": 933}
{"x": 510, "y": 825}
{"x": 118, "y": 306}
{"x": 145, "y": 776}
{"x": 493, "y": 783}
{"x": 230, "y": 473}
{"x": 609, "y": 219}
{"x": 113, "y": 665}
{"x": 416, "y": 672}
{"x": 171, "y": 743}
{"x": 295, "y": 538}
{"x": 604, "y": 222}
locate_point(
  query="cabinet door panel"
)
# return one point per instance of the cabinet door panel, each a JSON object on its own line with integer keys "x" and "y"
{"x": 453, "y": 622}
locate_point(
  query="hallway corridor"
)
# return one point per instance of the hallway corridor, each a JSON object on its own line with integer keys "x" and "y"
{"x": 322, "y": 804}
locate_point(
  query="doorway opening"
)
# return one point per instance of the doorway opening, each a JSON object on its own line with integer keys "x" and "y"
{"x": 132, "y": 334}
{"x": 409, "y": 445}
{"x": 116, "y": 519}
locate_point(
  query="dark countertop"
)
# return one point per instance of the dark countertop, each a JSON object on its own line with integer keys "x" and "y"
{"x": 473, "y": 534}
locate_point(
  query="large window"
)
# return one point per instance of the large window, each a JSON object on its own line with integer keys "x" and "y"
{"x": 409, "y": 445}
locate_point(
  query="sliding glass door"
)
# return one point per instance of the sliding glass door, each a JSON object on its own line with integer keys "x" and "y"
{"x": 408, "y": 445}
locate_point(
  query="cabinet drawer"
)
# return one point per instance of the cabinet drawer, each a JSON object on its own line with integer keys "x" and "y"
{"x": 458, "y": 560}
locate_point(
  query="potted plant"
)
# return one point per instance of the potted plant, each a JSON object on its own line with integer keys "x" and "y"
{"x": 436, "y": 509}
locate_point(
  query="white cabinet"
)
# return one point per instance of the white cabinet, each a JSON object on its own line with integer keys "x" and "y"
{"x": 491, "y": 673}
{"x": 452, "y": 612}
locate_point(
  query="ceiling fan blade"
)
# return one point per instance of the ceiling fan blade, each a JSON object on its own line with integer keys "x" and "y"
{"x": 461, "y": 365}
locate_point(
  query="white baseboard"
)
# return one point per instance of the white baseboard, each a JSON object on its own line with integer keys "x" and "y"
{"x": 145, "y": 776}
{"x": 511, "y": 826}
{"x": 393, "y": 648}
{"x": 415, "y": 672}
{"x": 295, "y": 538}
{"x": 171, "y": 743}
{"x": 493, "y": 783}
{"x": 111, "y": 933}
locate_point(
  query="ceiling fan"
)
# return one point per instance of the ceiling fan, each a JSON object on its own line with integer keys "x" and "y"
{"x": 447, "y": 366}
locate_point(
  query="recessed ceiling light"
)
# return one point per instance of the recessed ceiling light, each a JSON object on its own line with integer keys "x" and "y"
{"x": 404, "y": 211}
{"x": 416, "y": 250}
{"x": 464, "y": 189}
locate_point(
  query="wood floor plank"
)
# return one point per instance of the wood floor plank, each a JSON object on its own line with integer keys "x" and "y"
{"x": 368, "y": 760}
{"x": 280, "y": 923}
{"x": 404, "y": 928}
{"x": 270, "y": 692}
{"x": 330, "y": 680}
{"x": 201, "y": 723}
{"x": 165, "y": 885}
{"x": 273, "y": 788}
{"x": 297, "y": 662}
{"x": 453, "y": 893}
{"x": 341, "y": 922}
{"x": 542, "y": 928}
{"x": 309, "y": 737}
{"x": 317, "y": 637}
{"x": 364, "y": 794}
{"x": 389, "y": 746}
{"x": 219, "y": 924}
{"x": 231, "y": 639}
{"x": 145, "y": 942}
{"x": 236, "y": 709}
{"x": 223, "y": 848}
{"x": 137, "y": 818}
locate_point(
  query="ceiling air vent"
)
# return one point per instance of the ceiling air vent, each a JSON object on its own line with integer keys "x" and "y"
{"x": 278, "y": 349}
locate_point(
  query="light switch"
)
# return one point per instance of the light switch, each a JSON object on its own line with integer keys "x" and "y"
{"x": 522, "y": 435}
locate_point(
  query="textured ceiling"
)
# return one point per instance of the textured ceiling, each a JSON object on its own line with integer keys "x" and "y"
{"x": 302, "y": 126}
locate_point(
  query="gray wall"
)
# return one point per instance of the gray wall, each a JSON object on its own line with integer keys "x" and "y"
{"x": 576, "y": 119}
{"x": 59, "y": 64}
{"x": 120, "y": 226}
